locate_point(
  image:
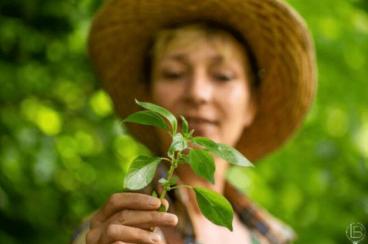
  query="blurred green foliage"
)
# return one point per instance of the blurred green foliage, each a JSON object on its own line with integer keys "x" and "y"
{"x": 63, "y": 152}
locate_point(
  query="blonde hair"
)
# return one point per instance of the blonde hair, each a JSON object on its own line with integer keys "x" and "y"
{"x": 192, "y": 33}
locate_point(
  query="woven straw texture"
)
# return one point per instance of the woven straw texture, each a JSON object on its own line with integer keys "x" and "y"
{"x": 279, "y": 38}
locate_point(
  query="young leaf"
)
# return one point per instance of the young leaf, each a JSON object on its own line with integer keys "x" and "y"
{"x": 141, "y": 172}
{"x": 147, "y": 118}
{"x": 163, "y": 181}
{"x": 215, "y": 207}
{"x": 202, "y": 164}
{"x": 162, "y": 111}
{"x": 178, "y": 143}
{"x": 184, "y": 126}
{"x": 224, "y": 151}
{"x": 166, "y": 182}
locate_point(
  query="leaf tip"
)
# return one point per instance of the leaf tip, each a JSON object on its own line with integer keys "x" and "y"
{"x": 212, "y": 180}
{"x": 230, "y": 226}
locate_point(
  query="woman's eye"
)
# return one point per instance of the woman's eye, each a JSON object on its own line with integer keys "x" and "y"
{"x": 223, "y": 77}
{"x": 172, "y": 75}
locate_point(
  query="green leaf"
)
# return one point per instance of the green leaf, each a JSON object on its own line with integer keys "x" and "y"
{"x": 232, "y": 155}
{"x": 183, "y": 159}
{"x": 154, "y": 193}
{"x": 178, "y": 143}
{"x": 162, "y": 111}
{"x": 184, "y": 126}
{"x": 205, "y": 142}
{"x": 141, "y": 172}
{"x": 147, "y": 118}
{"x": 162, "y": 208}
{"x": 215, "y": 207}
{"x": 224, "y": 151}
{"x": 202, "y": 164}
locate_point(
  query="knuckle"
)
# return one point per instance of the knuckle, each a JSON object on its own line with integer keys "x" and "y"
{"x": 113, "y": 200}
{"x": 123, "y": 217}
{"x": 111, "y": 231}
{"x": 89, "y": 237}
{"x": 152, "y": 216}
{"x": 95, "y": 220}
{"x": 92, "y": 236}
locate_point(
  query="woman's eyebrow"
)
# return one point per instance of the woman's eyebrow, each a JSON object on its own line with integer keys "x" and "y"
{"x": 177, "y": 57}
{"x": 180, "y": 57}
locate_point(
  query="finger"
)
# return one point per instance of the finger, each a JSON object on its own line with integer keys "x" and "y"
{"x": 165, "y": 203}
{"x": 121, "y": 242}
{"x": 144, "y": 219}
{"x": 119, "y": 201}
{"x": 116, "y": 232}
{"x": 93, "y": 235}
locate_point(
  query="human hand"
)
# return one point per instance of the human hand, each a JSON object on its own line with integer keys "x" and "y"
{"x": 129, "y": 218}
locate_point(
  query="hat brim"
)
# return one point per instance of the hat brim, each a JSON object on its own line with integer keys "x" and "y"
{"x": 122, "y": 30}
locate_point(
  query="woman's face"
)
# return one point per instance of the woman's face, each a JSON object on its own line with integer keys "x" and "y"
{"x": 205, "y": 80}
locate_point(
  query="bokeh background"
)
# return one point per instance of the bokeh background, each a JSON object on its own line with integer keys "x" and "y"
{"x": 63, "y": 152}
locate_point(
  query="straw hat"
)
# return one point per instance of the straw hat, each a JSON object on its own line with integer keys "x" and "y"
{"x": 122, "y": 30}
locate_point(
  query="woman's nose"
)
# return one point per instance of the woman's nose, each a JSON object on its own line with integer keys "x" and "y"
{"x": 199, "y": 89}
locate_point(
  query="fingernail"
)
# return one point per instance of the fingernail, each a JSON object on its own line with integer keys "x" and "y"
{"x": 174, "y": 220}
{"x": 156, "y": 237}
{"x": 155, "y": 202}
{"x": 171, "y": 219}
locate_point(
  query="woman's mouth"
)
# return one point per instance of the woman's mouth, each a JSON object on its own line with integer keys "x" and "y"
{"x": 201, "y": 125}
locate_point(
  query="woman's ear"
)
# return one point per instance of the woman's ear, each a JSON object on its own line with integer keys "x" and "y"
{"x": 250, "y": 113}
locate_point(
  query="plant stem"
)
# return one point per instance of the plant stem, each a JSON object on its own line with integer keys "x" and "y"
{"x": 180, "y": 186}
{"x": 170, "y": 174}
{"x": 167, "y": 187}
{"x": 166, "y": 159}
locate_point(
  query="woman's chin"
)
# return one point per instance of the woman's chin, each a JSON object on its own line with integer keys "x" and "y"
{"x": 207, "y": 132}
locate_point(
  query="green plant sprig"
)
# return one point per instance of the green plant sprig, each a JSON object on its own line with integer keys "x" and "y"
{"x": 142, "y": 170}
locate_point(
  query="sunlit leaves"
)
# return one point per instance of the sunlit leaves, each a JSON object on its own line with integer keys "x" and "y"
{"x": 47, "y": 119}
{"x": 101, "y": 104}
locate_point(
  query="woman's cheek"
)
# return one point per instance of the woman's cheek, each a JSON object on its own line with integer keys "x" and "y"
{"x": 233, "y": 103}
{"x": 232, "y": 97}
{"x": 163, "y": 94}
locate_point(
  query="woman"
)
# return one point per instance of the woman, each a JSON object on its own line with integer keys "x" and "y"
{"x": 240, "y": 71}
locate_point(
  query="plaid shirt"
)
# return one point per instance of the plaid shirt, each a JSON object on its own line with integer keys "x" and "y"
{"x": 263, "y": 227}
